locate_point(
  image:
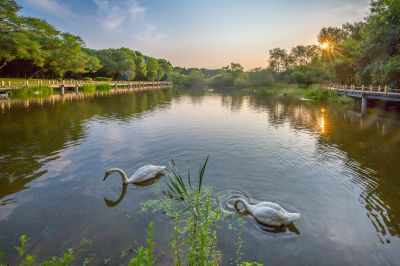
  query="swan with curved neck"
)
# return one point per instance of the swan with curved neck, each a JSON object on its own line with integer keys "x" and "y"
{"x": 4, "y": 95}
{"x": 142, "y": 175}
{"x": 268, "y": 213}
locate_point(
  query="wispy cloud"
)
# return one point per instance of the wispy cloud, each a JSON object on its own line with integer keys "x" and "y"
{"x": 356, "y": 11}
{"x": 150, "y": 35}
{"x": 127, "y": 17}
{"x": 50, "y": 6}
{"x": 112, "y": 16}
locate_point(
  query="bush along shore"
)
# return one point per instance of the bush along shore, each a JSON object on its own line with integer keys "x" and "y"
{"x": 195, "y": 219}
{"x": 314, "y": 93}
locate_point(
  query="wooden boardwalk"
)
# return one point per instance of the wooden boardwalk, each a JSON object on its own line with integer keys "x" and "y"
{"x": 75, "y": 84}
{"x": 366, "y": 93}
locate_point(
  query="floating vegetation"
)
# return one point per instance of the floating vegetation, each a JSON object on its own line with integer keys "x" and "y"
{"x": 31, "y": 92}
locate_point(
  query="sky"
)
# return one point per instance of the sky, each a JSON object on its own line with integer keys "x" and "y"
{"x": 201, "y": 33}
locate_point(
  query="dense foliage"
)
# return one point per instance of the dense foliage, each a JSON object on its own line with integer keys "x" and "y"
{"x": 31, "y": 47}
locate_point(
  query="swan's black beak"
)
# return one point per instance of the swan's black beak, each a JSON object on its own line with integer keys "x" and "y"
{"x": 106, "y": 174}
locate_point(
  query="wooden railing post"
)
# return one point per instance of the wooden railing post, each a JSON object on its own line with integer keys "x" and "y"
{"x": 379, "y": 88}
{"x": 385, "y": 89}
{"x": 370, "y": 87}
{"x": 2, "y": 83}
{"x": 362, "y": 88}
{"x": 62, "y": 89}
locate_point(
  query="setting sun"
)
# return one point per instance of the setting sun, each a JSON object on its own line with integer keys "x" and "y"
{"x": 325, "y": 45}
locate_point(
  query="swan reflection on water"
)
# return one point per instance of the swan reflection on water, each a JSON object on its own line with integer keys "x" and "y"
{"x": 112, "y": 203}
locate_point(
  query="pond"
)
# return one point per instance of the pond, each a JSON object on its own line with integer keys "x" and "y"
{"x": 339, "y": 169}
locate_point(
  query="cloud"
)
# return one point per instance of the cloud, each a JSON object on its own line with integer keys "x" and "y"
{"x": 128, "y": 18}
{"x": 136, "y": 10}
{"x": 51, "y": 6}
{"x": 112, "y": 17}
{"x": 149, "y": 34}
{"x": 357, "y": 10}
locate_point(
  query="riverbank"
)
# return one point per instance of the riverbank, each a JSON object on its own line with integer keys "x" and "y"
{"x": 314, "y": 93}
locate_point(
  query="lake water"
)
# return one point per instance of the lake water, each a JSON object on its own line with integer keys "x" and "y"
{"x": 341, "y": 171}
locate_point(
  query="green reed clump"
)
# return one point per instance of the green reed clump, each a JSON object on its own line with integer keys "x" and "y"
{"x": 145, "y": 255}
{"x": 32, "y": 92}
{"x": 30, "y": 260}
{"x": 196, "y": 225}
{"x": 325, "y": 95}
{"x": 87, "y": 88}
{"x": 103, "y": 87}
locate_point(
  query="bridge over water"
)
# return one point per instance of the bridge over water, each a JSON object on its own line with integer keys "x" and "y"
{"x": 366, "y": 93}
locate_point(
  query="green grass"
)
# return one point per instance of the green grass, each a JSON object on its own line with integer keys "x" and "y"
{"x": 315, "y": 93}
{"x": 325, "y": 95}
{"x": 87, "y": 88}
{"x": 31, "y": 92}
{"x": 103, "y": 87}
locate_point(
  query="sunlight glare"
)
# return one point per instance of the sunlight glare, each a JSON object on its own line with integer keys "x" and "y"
{"x": 325, "y": 45}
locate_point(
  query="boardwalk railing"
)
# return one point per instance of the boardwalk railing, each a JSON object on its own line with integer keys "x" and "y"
{"x": 9, "y": 85}
{"x": 363, "y": 88}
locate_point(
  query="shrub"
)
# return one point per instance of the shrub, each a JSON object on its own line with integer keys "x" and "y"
{"x": 103, "y": 79}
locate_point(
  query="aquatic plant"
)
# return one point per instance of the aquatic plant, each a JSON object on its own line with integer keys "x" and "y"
{"x": 103, "y": 87}
{"x": 87, "y": 88}
{"x": 324, "y": 95}
{"x": 195, "y": 218}
{"x": 145, "y": 255}
{"x": 32, "y": 92}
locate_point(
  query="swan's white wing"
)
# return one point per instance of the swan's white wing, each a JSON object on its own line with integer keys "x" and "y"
{"x": 272, "y": 205}
{"x": 146, "y": 172}
{"x": 267, "y": 215}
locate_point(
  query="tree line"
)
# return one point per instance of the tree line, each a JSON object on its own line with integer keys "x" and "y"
{"x": 366, "y": 52}
{"x": 30, "y": 47}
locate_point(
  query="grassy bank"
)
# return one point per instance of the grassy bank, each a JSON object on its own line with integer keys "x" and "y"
{"x": 314, "y": 93}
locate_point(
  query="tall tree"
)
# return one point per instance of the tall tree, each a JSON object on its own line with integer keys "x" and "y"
{"x": 279, "y": 60}
{"x": 152, "y": 69}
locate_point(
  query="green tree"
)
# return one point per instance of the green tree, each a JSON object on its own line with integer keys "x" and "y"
{"x": 279, "y": 60}
{"x": 152, "y": 69}
{"x": 141, "y": 68}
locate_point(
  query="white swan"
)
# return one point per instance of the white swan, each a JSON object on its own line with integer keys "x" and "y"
{"x": 142, "y": 175}
{"x": 269, "y": 213}
{"x": 4, "y": 95}
{"x": 37, "y": 92}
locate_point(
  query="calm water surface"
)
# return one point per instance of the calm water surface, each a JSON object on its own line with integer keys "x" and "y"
{"x": 339, "y": 170}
